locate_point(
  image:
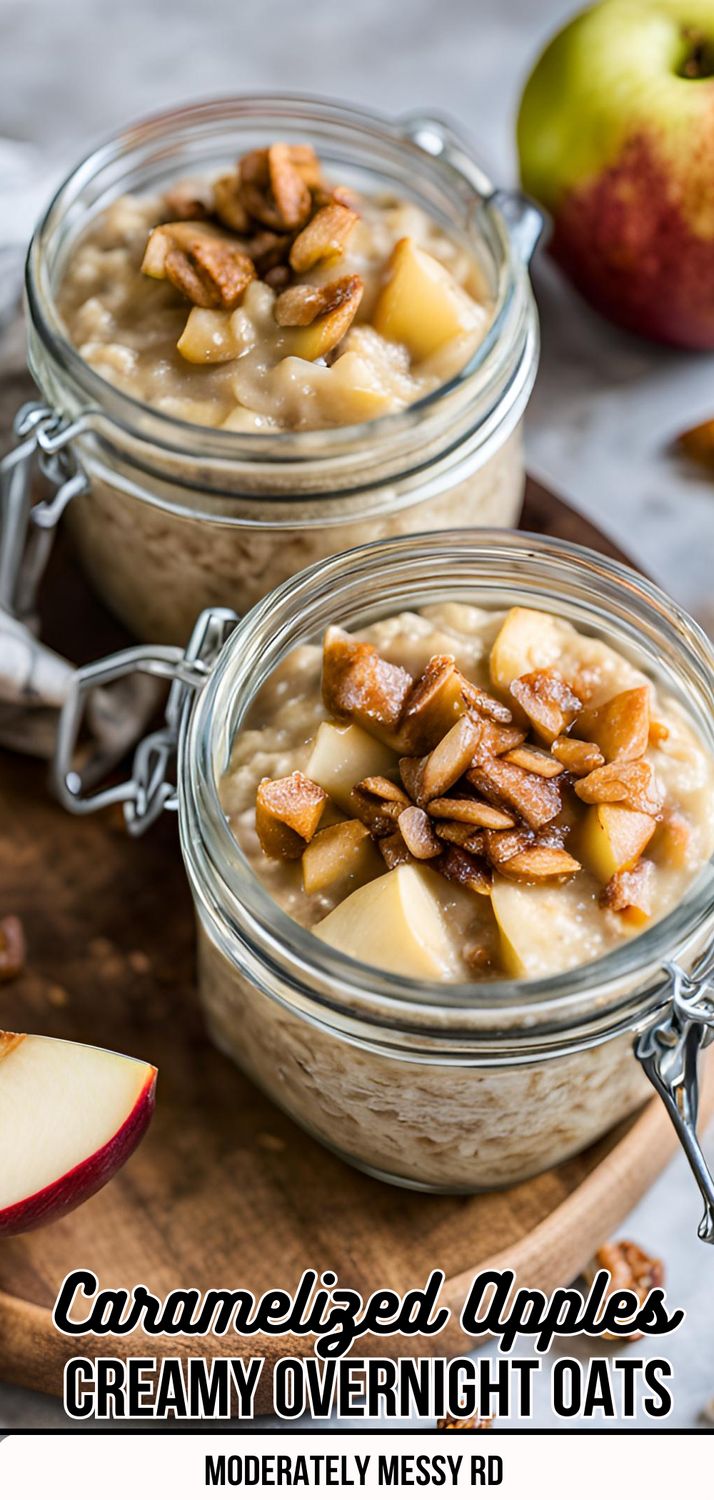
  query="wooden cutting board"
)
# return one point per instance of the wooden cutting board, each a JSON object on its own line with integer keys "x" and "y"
{"x": 225, "y": 1191}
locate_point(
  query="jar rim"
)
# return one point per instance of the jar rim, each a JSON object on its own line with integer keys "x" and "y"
{"x": 216, "y": 863}
{"x": 139, "y": 419}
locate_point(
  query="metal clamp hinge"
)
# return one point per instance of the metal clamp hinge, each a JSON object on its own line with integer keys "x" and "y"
{"x": 26, "y": 529}
{"x": 151, "y": 787}
{"x": 669, "y": 1053}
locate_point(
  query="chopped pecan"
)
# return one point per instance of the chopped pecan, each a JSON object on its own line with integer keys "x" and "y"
{"x": 629, "y": 892}
{"x": 267, "y": 250}
{"x": 449, "y": 759}
{"x": 475, "y": 1423}
{"x": 324, "y": 238}
{"x": 357, "y": 683}
{"x": 455, "y": 864}
{"x": 287, "y": 813}
{"x": 468, "y": 810}
{"x": 228, "y": 204}
{"x": 210, "y": 272}
{"x": 539, "y": 862}
{"x": 621, "y": 726}
{"x": 578, "y": 756}
{"x": 548, "y": 701}
{"x": 394, "y": 850}
{"x": 273, "y": 188}
{"x": 12, "y": 948}
{"x": 534, "y": 798}
{"x": 631, "y": 1269}
{"x": 630, "y": 781}
{"x": 418, "y": 834}
{"x": 530, "y": 759}
{"x": 463, "y": 834}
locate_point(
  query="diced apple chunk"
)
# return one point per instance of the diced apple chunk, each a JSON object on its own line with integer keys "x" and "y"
{"x": 287, "y": 813}
{"x": 545, "y": 928}
{"x": 420, "y": 304}
{"x": 621, "y": 726}
{"x": 209, "y": 337}
{"x": 343, "y": 756}
{"x": 395, "y": 923}
{"x": 342, "y": 854}
{"x": 529, "y": 640}
{"x": 612, "y": 839}
{"x": 358, "y": 684}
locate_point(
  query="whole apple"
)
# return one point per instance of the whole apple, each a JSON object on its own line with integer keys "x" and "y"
{"x": 616, "y": 140}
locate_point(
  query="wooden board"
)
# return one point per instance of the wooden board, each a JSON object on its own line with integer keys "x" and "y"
{"x": 225, "y": 1191}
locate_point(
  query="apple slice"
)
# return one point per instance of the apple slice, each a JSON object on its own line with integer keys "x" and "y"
{"x": 70, "y": 1116}
{"x": 420, "y": 304}
{"x": 529, "y": 640}
{"x": 396, "y": 923}
{"x": 621, "y": 727}
{"x": 343, "y": 855}
{"x": 342, "y": 756}
{"x": 612, "y": 838}
{"x": 546, "y": 928}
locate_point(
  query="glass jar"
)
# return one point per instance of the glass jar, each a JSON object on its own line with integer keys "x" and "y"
{"x": 444, "y": 1087}
{"x": 171, "y": 517}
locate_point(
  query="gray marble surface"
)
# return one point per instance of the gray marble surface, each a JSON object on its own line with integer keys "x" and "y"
{"x": 605, "y": 408}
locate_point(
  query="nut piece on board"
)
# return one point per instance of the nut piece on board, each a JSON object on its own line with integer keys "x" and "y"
{"x": 631, "y": 1269}
{"x": 287, "y": 813}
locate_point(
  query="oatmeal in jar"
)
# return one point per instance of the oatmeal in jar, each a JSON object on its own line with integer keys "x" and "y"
{"x": 272, "y": 299}
{"x": 461, "y": 794}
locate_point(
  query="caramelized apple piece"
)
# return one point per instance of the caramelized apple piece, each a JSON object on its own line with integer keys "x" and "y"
{"x": 496, "y": 739}
{"x": 548, "y": 701}
{"x": 612, "y": 838}
{"x": 578, "y": 756}
{"x": 394, "y": 850}
{"x": 358, "y": 684}
{"x": 504, "y": 845}
{"x": 630, "y": 781}
{"x": 395, "y": 923}
{"x": 629, "y": 892}
{"x": 344, "y": 755}
{"x": 530, "y": 759}
{"x": 672, "y": 840}
{"x": 542, "y": 927}
{"x": 341, "y": 854}
{"x": 418, "y": 834}
{"x": 324, "y": 332}
{"x": 378, "y": 802}
{"x": 468, "y": 810}
{"x": 464, "y": 835}
{"x": 420, "y": 304}
{"x": 449, "y": 760}
{"x": 455, "y": 864}
{"x": 287, "y": 813}
{"x": 539, "y": 862}
{"x": 527, "y": 641}
{"x": 534, "y": 798}
{"x": 621, "y": 726}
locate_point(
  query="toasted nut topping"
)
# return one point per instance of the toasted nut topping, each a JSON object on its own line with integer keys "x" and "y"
{"x": 463, "y": 869}
{"x": 299, "y": 306}
{"x": 533, "y": 798}
{"x": 578, "y": 756}
{"x": 287, "y": 813}
{"x": 267, "y": 250}
{"x": 530, "y": 759}
{"x": 464, "y": 835}
{"x": 506, "y": 845}
{"x": 228, "y": 203}
{"x": 324, "y": 333}
{"x": 468, "y": 810}
{"x": 418, "y": 834}
{"x": 549, "y": 702}
{"x": 630, "y": 891}
{"x": 496, "y": 739}
{"x": 475, "y": 1423}
{"x": 621, "y": 726}
{"x": 357, "y": 683}
{"x": 631, "y": 1269}
{"x": 12, "y": 948}
{"x": 380, "y": 814}
{"x": 278, "y": 277}
{"x": 539, "y": 862}
{"x": 450, "y": 759}
{"x": 382, "y": 787}
{"x": 411, "y": 770}
{"x": 324, "y": 238}
{"x": 273, "y": 188}
{"x": 210, "y": 272}
{"x": 630, "y": 781}
{"x": 187, "y": 200}
{"x": 439, "y": 697}
{"x": 394, "y": 850}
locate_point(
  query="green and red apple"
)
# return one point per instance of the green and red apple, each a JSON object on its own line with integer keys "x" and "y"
{"x": 616, "y": 141}
{"x": 70, "y": 1116}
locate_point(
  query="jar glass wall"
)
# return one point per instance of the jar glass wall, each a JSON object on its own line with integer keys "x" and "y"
{"x": 442, "y": 1086}
{"x": 176, "y": 516}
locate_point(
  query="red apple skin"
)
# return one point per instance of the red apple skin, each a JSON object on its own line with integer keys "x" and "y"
{"x": 625, "y": 241}
{"x": 86, "y": 1179}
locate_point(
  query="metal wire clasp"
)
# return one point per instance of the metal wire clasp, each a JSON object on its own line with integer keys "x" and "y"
{"x": 669, "y": 1053}
{"x": 148, "y": 790}
{"x": 26, "y": 530}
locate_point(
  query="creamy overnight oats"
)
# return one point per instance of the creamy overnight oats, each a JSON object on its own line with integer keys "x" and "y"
{"x": 332, "y": 341}
{"x": 459, "y": 794}
{"x": 273, "y": 298}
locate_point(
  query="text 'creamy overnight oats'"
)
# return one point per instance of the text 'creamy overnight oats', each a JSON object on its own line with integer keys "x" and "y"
{"x": 459, "y": 794}
{"x": 271, "y": 298}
